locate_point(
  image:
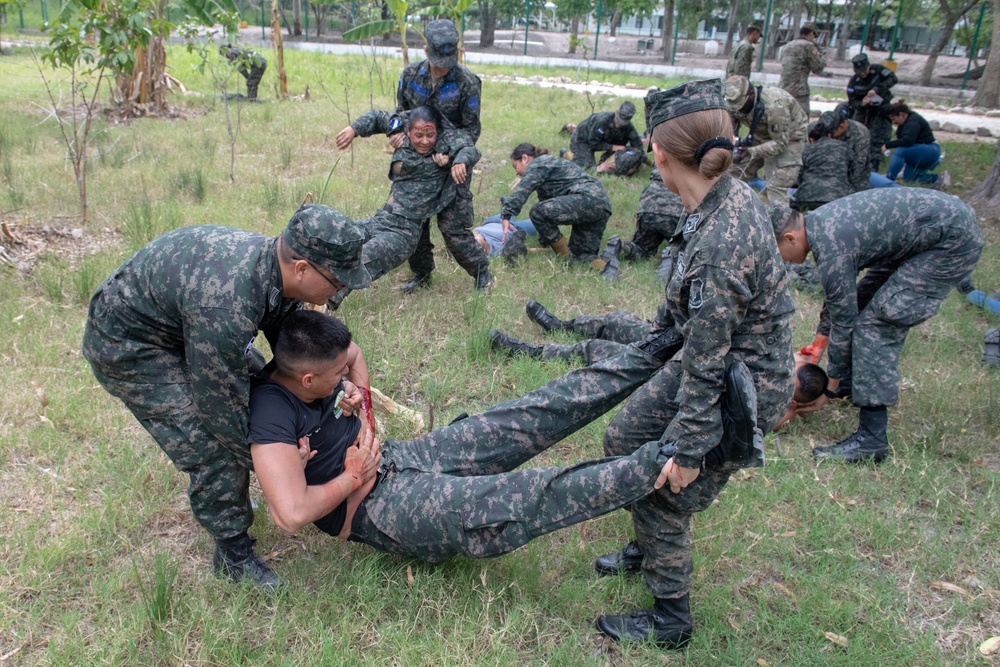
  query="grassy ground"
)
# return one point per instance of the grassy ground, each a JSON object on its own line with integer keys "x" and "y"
{"x": 102, "y": 563}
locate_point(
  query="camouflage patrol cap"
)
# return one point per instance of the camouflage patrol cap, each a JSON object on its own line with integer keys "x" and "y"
{"x": 754, "y": 27}
{"x": 442, "y": 43}
{"x": 781, "y": 216}
{"x": 830, "y": 120}
{"x": 330, "y": 239}
{"x": 843, "y": 109}
{"x": 690, "y": 97}
{"x": 625, "y": 111}
{"x": 860, "y": 61}
{"x": 737, "y": 89}
{"x": 811, "y": 27}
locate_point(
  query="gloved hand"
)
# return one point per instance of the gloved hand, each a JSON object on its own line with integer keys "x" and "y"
{"x": 814, "y": 351}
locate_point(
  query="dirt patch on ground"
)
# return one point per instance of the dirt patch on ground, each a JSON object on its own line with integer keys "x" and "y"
{"x": 22, "y": 242}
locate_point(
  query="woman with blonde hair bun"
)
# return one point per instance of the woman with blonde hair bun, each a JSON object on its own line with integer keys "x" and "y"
{"x": 728, "y": 296}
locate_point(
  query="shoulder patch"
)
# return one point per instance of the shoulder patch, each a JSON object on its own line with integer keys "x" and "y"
{"x": 695, "y": 298}
{"x": 473, "y": 102}
{"x": 691, "y": 223}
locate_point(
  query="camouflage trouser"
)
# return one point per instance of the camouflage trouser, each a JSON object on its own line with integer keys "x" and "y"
{"x": 621, "y": 163}
{"x": 451, "y": 491}
{"x": 219, "y": 481}
{"x": 455, "y": 223}
{"x": 586, "y": 214}
{"x": 662, "y": 519}
{"x": 391, "y": 240}
{"x": 777, "y": 178}
{"x": 253, "y": 77}
{"x": 891, "y": 300}
{"x": 803, "y": 101}
{"x": 583, "y": 154}
{"x": 881, "y": 134}
{"x": 651, "y": 231}
{"x": 620, "y": 326}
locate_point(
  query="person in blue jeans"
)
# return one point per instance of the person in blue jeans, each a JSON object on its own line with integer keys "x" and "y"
{"x": 914, "y": 152}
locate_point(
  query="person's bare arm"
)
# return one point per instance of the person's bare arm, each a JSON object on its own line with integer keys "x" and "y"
{"x": 290, "y": 501}
{"x": 357, "y": 368}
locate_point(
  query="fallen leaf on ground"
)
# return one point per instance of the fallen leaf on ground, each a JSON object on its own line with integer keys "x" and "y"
{"x": 836, "y": 639}
{"x": 40, "y": 393}
{"x": 762, "y": 662}
{"x": 784, "y": 589}
{"x": 409, "y": 575}
{"x": 945, "y": 586}
{"x": 990, "y": 646}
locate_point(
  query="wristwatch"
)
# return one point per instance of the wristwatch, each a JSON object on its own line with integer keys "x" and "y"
{"x": 829, "y": 394}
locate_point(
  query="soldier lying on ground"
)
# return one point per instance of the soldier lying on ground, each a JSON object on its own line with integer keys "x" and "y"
{"x": 916, "y": 245}
{"x": 453, "y": 491}
{"x": 606, "y": 335}
{"x": 426, "y": 172}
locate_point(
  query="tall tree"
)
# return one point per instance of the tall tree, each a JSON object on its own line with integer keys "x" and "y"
{"x": 734, "y": 8}
{"x": 573, "y": 11}
{"x": 988, "y": 94}
{"x": 985, "y": 198}
{"x": 668, "y": 30}
{"x": 487, "y": 23}
{"x": 951, "y": 12}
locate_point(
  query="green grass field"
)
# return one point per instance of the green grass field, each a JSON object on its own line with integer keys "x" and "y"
{"x": 103, "y": 564}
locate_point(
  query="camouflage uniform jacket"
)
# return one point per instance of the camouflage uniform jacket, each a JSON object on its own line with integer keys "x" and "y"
{"x": 799, "y": 58}
{"x": 783, "y": 122}
{"x": 729, "y": 296}
{"x": 824, "y": 174}
{"x": 657, "y": 200}
{"x": 740, "y": 60}
{"x": 599, "y": 132}
{"x": 552, "y": 177}
{"x": 858, "y": 140}
{"x": 882, "y": 79}
{"x": 186, "y": 310}
{"x": 861, "y": 231}
{"x": 420, "y": 188}
{"x": 455, "y": 96}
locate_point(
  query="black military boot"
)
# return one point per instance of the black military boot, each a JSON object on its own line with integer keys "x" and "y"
{"x": 668, "y": 624}
{"x": 512, "y": 346}
{"x": 235, "y": 558}
{"x": 415, "y": 283}
{"x": 610, "y": 256}
{"x": 546, "y": 320}
{"x": 626, "y": 561}
{"x": 485, "y": 281}
{"x": 868, "y": 443}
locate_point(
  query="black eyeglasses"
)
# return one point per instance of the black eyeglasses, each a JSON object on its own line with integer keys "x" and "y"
{"x": 333, "y": 283}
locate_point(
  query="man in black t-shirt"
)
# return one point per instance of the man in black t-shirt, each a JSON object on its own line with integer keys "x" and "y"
{"x": 451, "y": 491}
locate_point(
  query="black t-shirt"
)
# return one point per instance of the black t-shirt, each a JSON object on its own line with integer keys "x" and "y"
{"x": 278, "y": 415}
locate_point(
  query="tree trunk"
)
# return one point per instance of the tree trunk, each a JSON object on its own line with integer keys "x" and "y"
{"x": 279, "y": 51}
{"x": 988, "y": 94}
{"x": 985, "y": 198}
{"x": 297, "y": 17}
{"x": 950, "y": 18}
{"x": 845, "y": 30}
{"x": 668, "y": 31}
{"x": 734, "y": 8}
{"x": 615, "y": 20}
{"x": 488, "y": 23}
{"x": 772, "y": 39}
{"x": 574, "y": 29}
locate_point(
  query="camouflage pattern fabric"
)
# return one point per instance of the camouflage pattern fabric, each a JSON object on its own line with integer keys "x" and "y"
{"x": 825, "y": 174}
{"x": 655, "y": 219}
{"x": 597, "y": 133}
{"x": 254, "y": 73}
{"x": 917, "y": 245}
{"x": 798, "y": 59}
{"x": 740, "y": 60}
{"x": 171, "y": 334}
{"x": 566, "y": 196}
{"x": 729, "y": 296}
{"x": 451, "y": 491}
{"x": 873, "y": 116}
{"x": 392, "y": 239}
{"x": 858, "y": 140}
{"x": 779, "y": 141}
{"x": 606, "y": 335}
{"x": 456, "y": 97}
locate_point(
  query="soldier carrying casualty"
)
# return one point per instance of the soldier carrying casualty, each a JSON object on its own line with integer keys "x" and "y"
{"x": 916, "y": 245}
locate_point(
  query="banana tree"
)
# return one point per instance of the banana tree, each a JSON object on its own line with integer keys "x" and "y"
{"x": 398, "y": 23}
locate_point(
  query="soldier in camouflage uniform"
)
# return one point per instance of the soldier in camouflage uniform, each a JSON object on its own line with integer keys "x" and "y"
{"x": 451, "y": 491}
{"x": 454, "y": 92}
{"x": 800, "y": 57}
{"x": 611, "y": 133}
{"x": 741, "y": 58}
{"x": 858, "y": 140}
{"x": 251, "y": 65}
{"x": 566, "y": 196}
{"x": 423, "y": 184}
{"x": 779, "y": 136}
{"x": 728, "y": 296}
{"x": 826, "y": 165}
{"x": 916, "y": 245}
{"x": 171, "y": 334}
{"x": 869, "y": 93}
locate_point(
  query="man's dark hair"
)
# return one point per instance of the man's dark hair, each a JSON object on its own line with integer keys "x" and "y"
{"x": 818, "y": 130}
{"x": 424, "y": 114}
{"x": 812, "y": 383}
{"x": 805, "y": 30}
{"x": 307, "y": 337}
{"x": 754, "y": 28}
